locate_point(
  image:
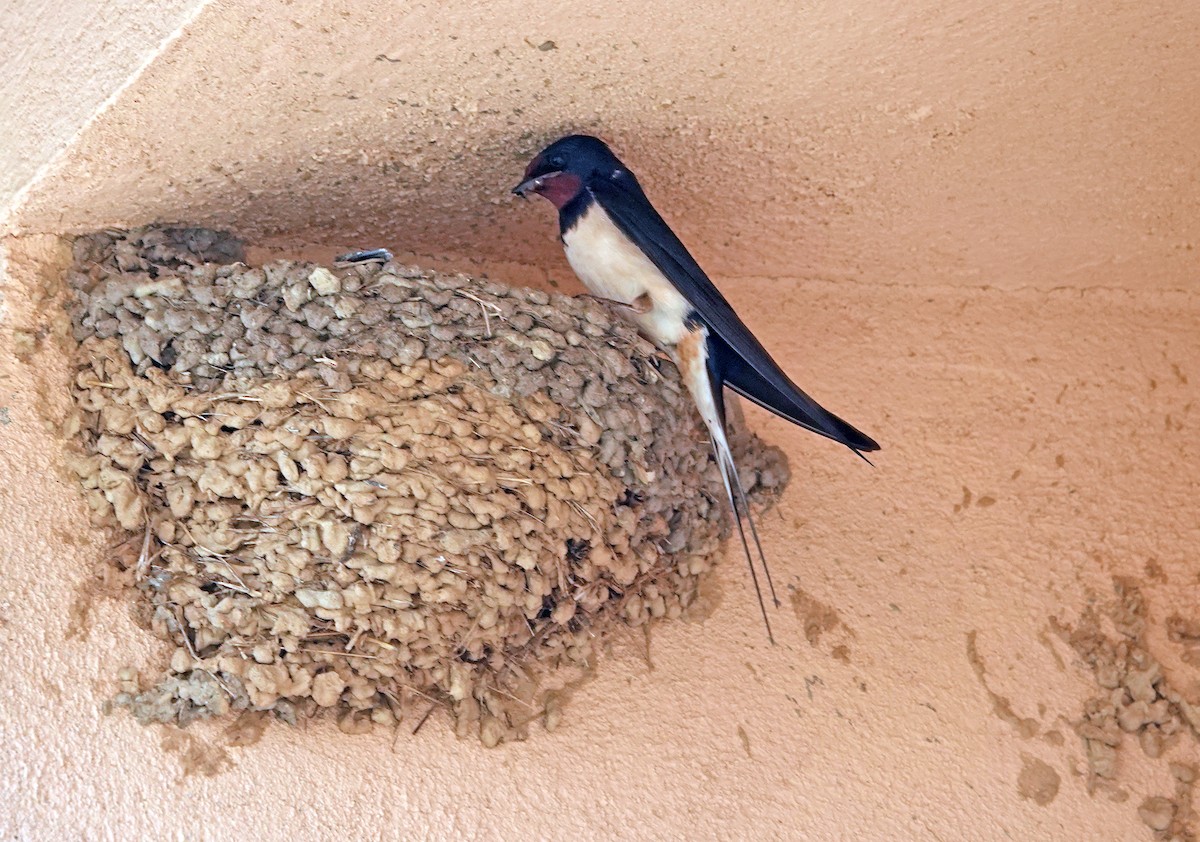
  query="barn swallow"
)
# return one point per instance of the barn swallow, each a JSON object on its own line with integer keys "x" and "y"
{"x": 622, "y": 250}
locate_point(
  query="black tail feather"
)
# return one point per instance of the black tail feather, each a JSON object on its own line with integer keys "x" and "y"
{"x": 738, "y": 503}
{"x": 795, "y": 406}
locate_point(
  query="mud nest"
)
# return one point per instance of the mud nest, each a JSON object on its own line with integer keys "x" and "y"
{"x": 377, "y": 490}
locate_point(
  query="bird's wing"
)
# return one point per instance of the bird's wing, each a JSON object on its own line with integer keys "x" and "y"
{"x": 745, "y": 365}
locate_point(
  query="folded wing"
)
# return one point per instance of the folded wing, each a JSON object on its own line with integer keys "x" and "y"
{"x": 743, "y": 363}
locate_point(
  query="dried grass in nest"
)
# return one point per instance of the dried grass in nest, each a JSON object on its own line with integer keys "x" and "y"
{"x": 378, "y": 490}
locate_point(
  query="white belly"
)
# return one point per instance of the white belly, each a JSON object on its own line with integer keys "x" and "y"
{"x": 611, "y": 266}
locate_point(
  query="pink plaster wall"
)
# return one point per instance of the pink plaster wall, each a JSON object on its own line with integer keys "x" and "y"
{"x": 973, "y": 230}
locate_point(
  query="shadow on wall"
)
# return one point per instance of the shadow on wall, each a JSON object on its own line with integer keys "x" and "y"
{"x": 433, "y": 198}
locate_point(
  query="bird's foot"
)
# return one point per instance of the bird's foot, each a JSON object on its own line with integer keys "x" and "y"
{"x": 638, "y": 307}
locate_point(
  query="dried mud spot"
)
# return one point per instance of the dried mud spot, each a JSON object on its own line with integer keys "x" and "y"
{"x": 196, "y": 757}
{"x": 247, "y": 729}
{"x": 1173, "y": 819}
{"x": 1136, "y": 700}
{"x": 1026, "y": 727}
{"x": 110, "y": 578}
{"x": 745, "y": 740}
{"x": 1037, "y": 780}
{"x": 1184, "y": 630}
{"x": 372, "y": 492}
{"x": 818, "y": 619}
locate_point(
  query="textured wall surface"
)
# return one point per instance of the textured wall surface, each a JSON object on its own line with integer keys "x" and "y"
{"x": 59, "y": 63}
{"x": 1042, "y": 144}
{"x": 973, "y": 231}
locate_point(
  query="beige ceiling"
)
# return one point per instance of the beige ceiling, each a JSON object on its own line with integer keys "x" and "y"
{"x": 1018, "y": 144}
{"x": 60, "y": 63}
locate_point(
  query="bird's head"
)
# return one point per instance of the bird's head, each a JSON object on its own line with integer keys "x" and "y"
{"x": 562, "y": 169}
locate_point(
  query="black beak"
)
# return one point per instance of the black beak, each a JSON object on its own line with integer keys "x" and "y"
{"x": 531, "y": 185}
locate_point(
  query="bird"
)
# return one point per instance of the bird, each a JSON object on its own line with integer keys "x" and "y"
{"x": 623, "y": 251}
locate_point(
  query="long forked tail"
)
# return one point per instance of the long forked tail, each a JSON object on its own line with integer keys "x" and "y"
{"x": 739, "y": 505}
{"x": 703, "y": 378}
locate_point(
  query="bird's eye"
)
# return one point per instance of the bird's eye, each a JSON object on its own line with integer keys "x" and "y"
{"x": 557, "y": 162}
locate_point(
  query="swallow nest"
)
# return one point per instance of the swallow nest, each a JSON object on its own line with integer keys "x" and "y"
{"x": 377, "y": 490}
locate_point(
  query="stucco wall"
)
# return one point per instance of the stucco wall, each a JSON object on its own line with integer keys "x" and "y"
{"x": 60, "y": 63}
{"x": 971, "y": 230}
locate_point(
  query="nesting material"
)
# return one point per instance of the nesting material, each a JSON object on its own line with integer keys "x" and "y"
{"x": 376, "y": 491}
{"x": 1137, "y": 698}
